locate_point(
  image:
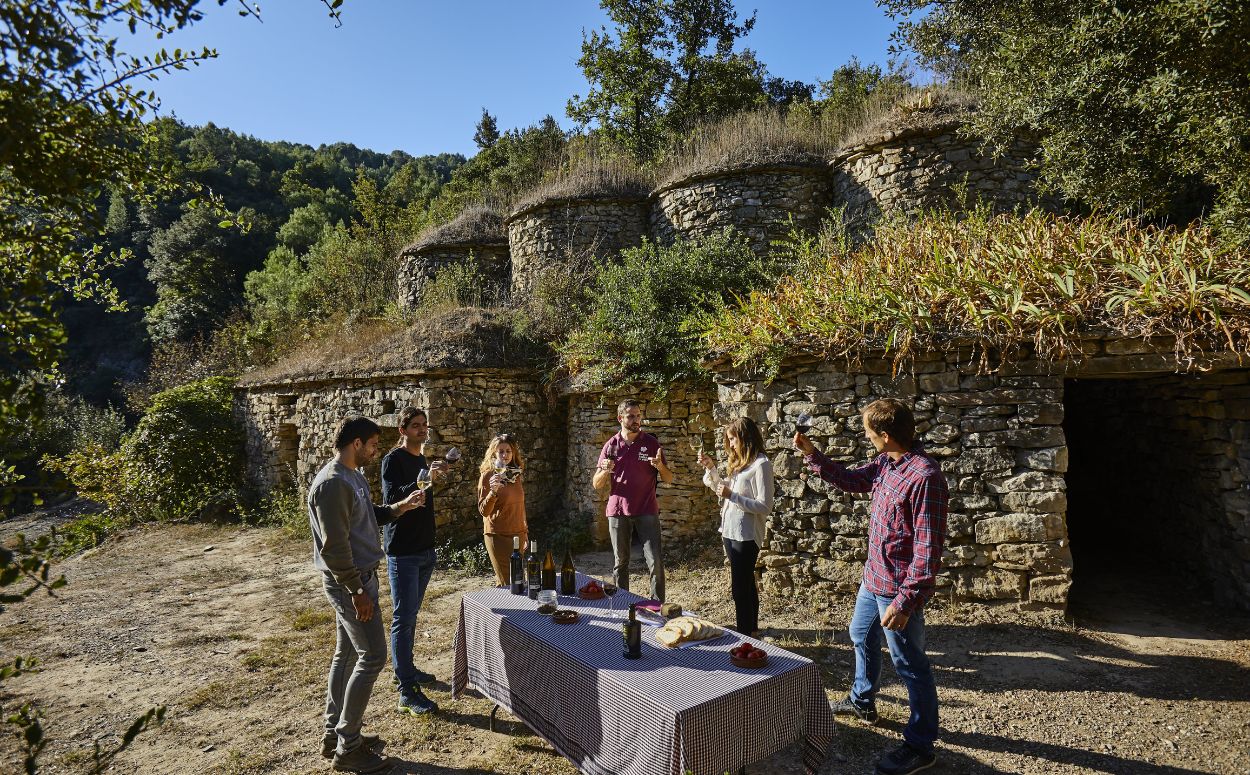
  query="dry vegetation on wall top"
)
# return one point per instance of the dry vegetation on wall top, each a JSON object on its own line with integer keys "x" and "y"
{"x": 996, "y": 282}
{"x": 594, "y": 178}
{"x": 478, "y": 225}
{"x": 464, "y": 338}
{"x": 798, "y": 137}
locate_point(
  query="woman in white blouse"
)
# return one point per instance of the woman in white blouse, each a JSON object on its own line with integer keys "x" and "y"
{"x": 746, "y": 499}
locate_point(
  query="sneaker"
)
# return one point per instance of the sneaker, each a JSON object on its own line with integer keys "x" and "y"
{"x": 847, "y": 707}
{"x": 422, "y": 677}
{"x": 905, "y": 760}
{"x": 330, "y": 743}
{"x": 411, "y": 700}
{"x": 361, "y": 760}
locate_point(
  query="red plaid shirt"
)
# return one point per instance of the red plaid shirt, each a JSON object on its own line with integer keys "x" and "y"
{"x": 907, "y": 526}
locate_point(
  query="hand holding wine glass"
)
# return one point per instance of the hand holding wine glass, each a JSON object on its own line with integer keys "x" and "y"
{"x": 424, "y": 480}
{"x": 803, "y": 424}
{"x": 706, "y": 461}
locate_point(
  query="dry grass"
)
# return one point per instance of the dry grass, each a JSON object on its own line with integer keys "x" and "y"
{"x": 478, "y": 225}
{"x": 996, "y": 283}
{"x": 588, "y": 176}
{"x": 916, "y": 110}
{"x": 459, "y": 338}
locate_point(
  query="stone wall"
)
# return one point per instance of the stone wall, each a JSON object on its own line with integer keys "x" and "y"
{"x": 913, "y": 170}
{"x": 997, "y": 438}
{"x": 418, "y": 267}
{"x": 763, "y": 203}
{"x": 557, "y": 234}
{"x": 1002, "y": 444}
{"x": 688, "y": 510}
{"x": 290, "y": 431}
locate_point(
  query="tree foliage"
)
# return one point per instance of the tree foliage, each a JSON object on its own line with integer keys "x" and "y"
{"x": 1141, "y": 106}
{"x": 667, "y": 66}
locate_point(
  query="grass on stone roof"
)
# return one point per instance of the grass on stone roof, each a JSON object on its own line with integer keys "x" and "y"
{"x": 996, "y": 282}
{"x": 588, "y": 176}
{"x": 477, "y": 225}
{"x": 462, "y": 338}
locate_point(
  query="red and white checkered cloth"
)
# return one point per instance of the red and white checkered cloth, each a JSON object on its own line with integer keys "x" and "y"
{"x": 673, "y": 711}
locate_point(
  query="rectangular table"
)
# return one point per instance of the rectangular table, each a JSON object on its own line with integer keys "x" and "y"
{"x": 673, "y": 711}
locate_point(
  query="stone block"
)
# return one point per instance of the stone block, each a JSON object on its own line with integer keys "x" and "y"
{"x": 841, "y": 573}
{"x": 1052, "y": 590}
{"x": 1054, "y": 459}
{"x": 941, "y": 382}
{"x": 1049, "y": 502}
{"x": 1020, "y": 528}
{"x": 983, "y": 461}
{"x": 1027, "y": 438}
{"x": 991, "y": 584}
{"x": 1049, "y": 557}
{"x": 1030, "y": 481}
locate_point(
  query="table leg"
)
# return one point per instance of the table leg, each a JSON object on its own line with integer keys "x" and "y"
{"x": 493, "y": 711}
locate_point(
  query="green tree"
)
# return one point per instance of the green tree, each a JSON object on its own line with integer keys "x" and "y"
{"x": 707, "y": 79}
{"x": 486, "y": 133}
{"x": 1140, "y": 106}
{"x": 628, "y": 72}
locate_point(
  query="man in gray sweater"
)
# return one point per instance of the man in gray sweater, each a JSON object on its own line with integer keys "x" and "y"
{"x": 347, "y": 551}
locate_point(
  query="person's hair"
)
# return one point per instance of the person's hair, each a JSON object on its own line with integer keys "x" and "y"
{"x": 750, "y": 439}
{"x": 891, "y": 416}
{"x": 408, "y": 415}
{"x": 626, "y": 405}
{"x": 352, "y": 428}
{"x": 488, "y": 462}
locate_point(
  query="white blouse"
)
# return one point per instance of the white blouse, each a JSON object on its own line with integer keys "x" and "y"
{"x": 750, "y": 500}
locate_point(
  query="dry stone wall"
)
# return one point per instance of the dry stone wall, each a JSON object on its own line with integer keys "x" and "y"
{"x": 998, "y": 440}
{"x": 557, "y": 234}
{"x": 688, "y": 510}
{"x": 914, "y": 170}
{"x": 418, "y": 268}
{"x": 290, "y": 431}
{"x": 764, "y": 204}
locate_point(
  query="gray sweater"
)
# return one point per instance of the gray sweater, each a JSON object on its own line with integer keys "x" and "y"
{"x": 344, "y": 524}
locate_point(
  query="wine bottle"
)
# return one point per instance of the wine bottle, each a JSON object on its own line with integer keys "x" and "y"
{"x": 568, "y": 574}
{"x": 632, "y": 631}
{"x": 549, "y": 572}
{"x": 532, "y": 570}
{"x": 516, "y": 567}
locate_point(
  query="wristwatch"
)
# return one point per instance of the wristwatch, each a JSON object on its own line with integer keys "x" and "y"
{"x": 355, "y": 592}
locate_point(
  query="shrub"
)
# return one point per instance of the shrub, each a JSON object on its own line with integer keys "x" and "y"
{"x": 468, "y": 556}
{"x": 462, "y": 284}
{"x": 282, "y": 508}
{"x": 997, "y": 282}
{"x": 183, "y": 460}
{"x": 639, "y": 326}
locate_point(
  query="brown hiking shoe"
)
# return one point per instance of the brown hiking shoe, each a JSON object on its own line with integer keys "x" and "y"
{"x": 363, "y": 761}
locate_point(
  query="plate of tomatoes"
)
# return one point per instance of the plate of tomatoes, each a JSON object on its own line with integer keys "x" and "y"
{"x": 592, "y": 591}
{"x": 748, "y": 656}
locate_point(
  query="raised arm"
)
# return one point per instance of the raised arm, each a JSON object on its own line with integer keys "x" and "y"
{"x": 858, "y": 479}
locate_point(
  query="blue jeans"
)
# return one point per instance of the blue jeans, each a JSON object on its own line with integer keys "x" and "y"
{"x": 409, "y": 576}
{"x": 910, "y": 662}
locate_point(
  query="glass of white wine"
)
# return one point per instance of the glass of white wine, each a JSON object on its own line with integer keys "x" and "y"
{"x": 424, "y": 480}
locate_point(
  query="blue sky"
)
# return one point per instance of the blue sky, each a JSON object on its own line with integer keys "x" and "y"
{"x": 414, "y": 75}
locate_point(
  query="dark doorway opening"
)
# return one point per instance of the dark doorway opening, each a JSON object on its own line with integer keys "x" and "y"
{"x": 1131, "y": 461}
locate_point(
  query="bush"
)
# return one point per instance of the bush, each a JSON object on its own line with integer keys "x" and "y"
{"x": 470, "y": 556}
{"x": 640, "y": 323}
{"x": 184, "y": 460}
{"x": 462, "y": 284}
{"x": 285, "y": 509}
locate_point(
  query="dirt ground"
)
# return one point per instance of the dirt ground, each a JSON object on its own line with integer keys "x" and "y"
{"x": 228, "y": 628}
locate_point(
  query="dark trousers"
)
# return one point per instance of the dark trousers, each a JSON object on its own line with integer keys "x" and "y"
{"x": 742, "y": 556}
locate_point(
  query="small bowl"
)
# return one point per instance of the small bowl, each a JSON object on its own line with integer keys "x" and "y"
{"x": 564, "y": 616}
{"x": 749, "y": 664}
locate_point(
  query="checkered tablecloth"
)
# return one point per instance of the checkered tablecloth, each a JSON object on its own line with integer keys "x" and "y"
{"x": 673, "y": 711}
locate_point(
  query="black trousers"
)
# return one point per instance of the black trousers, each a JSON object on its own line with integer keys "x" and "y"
{"x": 742, "y": 556}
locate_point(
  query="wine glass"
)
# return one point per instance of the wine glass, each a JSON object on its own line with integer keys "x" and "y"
{"x": 452, "y": 455}
{"x": 424, "y": 480}
{"x": 803, "y": 423}
{"x": 610, "y": 589}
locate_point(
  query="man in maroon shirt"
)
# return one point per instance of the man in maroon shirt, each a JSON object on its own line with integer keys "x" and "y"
{"x": 907, "y": 529}
{"x": 631, "y": 462}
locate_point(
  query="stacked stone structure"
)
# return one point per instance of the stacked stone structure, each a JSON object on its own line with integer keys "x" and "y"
{"x": 557, "y": 234}
{"x": 764, "y": 203}
{"x": 476, "y": 236}
{"x": 1001, "y": 442}
{"x": 920, "y": 168}
{"x": 466, "y": 408}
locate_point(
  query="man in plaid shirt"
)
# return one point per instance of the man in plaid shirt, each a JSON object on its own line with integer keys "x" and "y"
{"x": 906, "y": 533}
